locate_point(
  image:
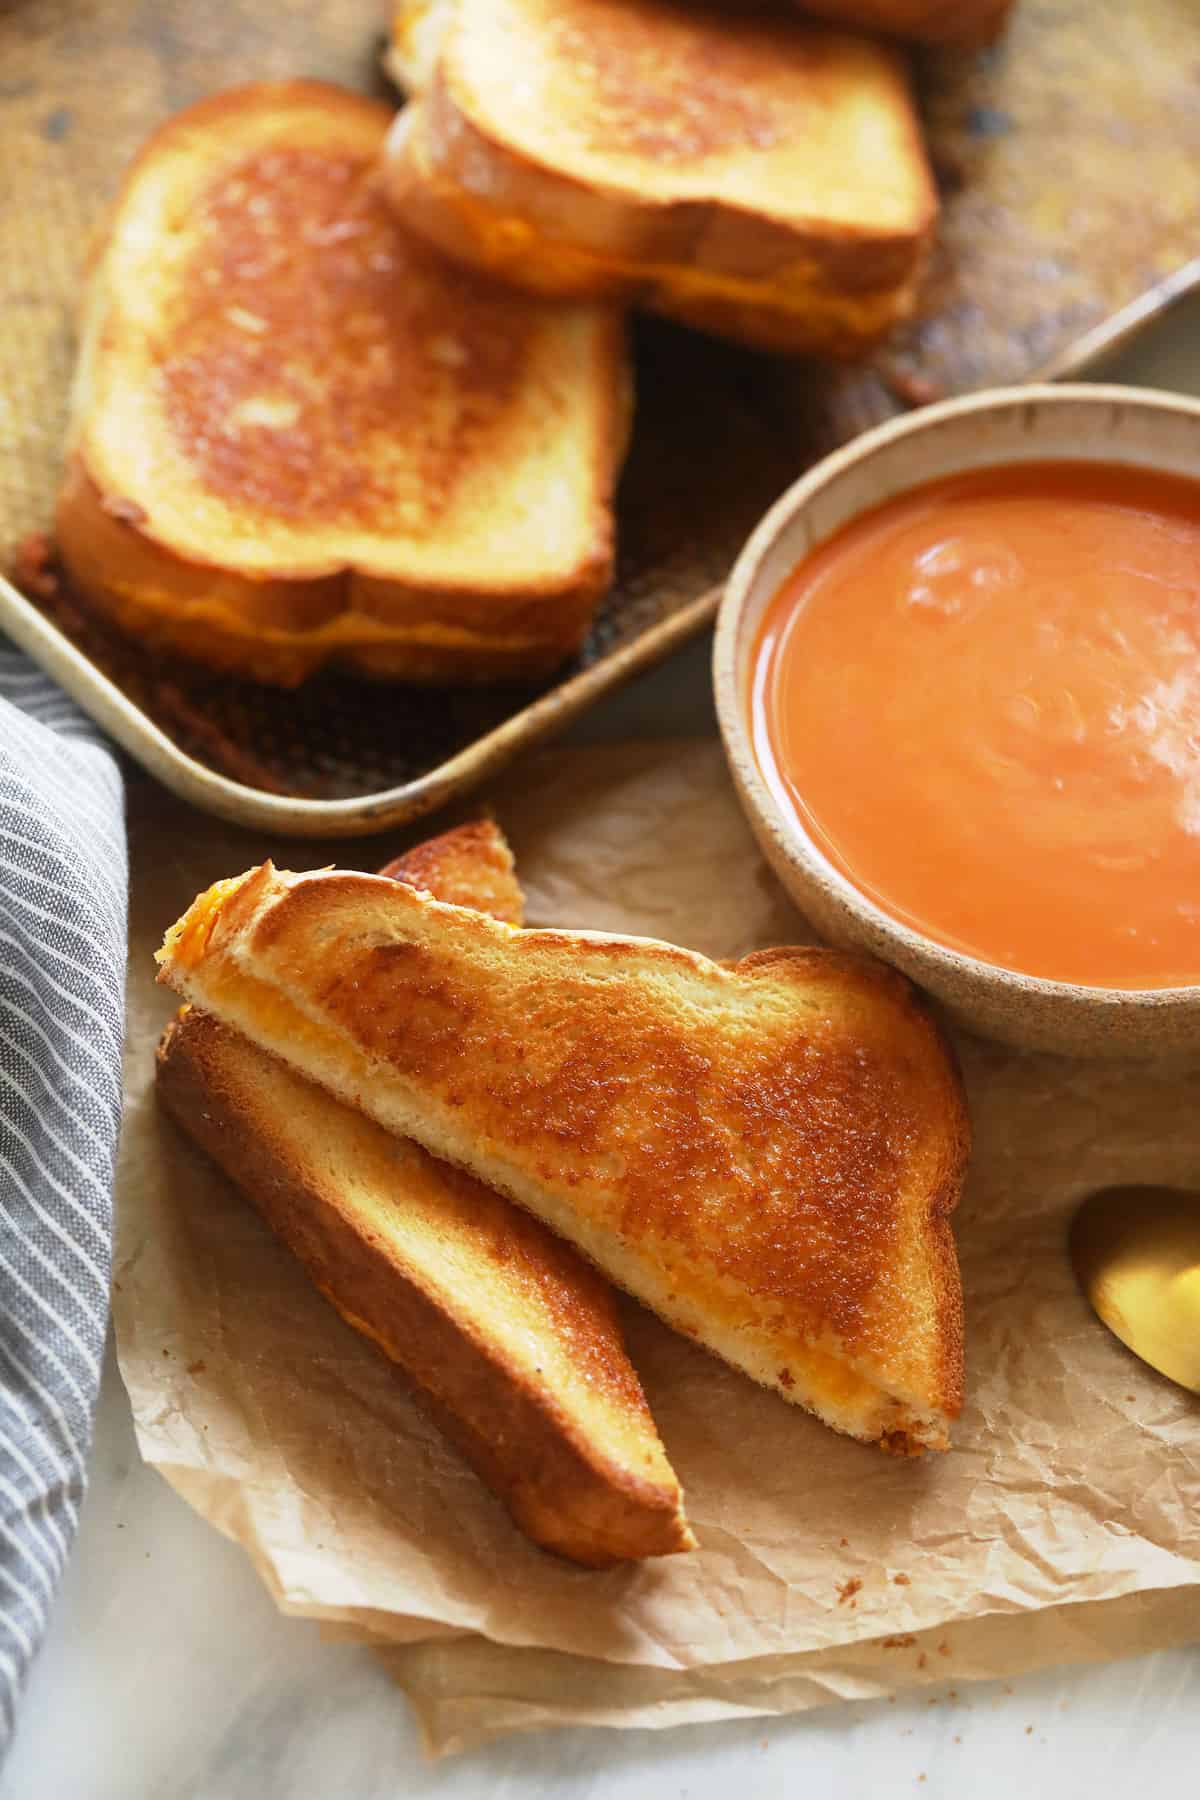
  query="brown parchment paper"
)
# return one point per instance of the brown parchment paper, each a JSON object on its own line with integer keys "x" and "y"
{"x": 1064, "y": 1525}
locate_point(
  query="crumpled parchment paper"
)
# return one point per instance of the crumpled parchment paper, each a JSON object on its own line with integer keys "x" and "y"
{"x": 1063, "y": 1526}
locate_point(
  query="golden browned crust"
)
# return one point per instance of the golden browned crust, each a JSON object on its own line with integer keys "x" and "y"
{"x": 748, "y": 271}
{"x": 767, "y": 1155}
{"x": 329, "y": 407}
{"x": 282, "y": 631}
{"x": 567, "y": 1484}
{"x": 470, "y": 865}
{"x": 948, "y": 1109}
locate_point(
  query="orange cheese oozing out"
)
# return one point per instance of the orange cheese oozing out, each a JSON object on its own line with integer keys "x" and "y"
{"x": 982, "y": 703}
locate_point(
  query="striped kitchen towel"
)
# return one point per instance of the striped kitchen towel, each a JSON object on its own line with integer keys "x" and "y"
{"x": 62, "y": 962}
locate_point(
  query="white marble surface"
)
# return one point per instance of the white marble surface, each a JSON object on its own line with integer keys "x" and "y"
{"x": 168, "y": 1675}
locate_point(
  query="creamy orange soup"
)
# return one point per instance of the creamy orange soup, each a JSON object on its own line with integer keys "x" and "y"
{"x": 982, "y": 702}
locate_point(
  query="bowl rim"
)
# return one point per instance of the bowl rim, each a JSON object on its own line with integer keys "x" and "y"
{"x": 938, "y": 959}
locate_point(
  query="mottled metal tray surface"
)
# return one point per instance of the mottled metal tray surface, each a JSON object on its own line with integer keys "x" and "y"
{"x": 1069, "y": 162}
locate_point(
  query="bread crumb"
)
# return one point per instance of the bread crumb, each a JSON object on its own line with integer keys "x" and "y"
{"x": 902, "y": 1580}
{"x": 1029, "y": 1731}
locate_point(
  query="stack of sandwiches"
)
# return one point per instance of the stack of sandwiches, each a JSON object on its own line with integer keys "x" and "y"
{"x": 467, "y": 1129}
{"x": 354, "y": 392}
{"x": 511, "y": 1340}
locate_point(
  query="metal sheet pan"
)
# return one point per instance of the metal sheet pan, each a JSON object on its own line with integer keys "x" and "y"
{"x": 1069, "y": 162}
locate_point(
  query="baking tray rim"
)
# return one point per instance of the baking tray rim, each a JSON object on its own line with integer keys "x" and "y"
{"x": 363, "y": 814}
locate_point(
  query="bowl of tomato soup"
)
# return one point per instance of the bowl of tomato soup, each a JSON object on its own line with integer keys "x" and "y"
{"x": 958, "y": 679}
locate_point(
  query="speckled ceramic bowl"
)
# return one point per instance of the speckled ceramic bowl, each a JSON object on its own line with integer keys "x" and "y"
{"x": 1012, "y": 425}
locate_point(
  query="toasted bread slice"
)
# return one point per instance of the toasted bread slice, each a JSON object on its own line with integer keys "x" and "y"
{"x": 765, "y": 1154}
{"x": 299, "y": 437}
{"x": 469, "y": 866}
{"x": 508, "y": 1335}
{"x": 513, "y": 1342}
{"x": 755, "y": 175}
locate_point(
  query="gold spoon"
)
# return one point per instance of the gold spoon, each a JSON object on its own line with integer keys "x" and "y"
{"x": 1136, "y": 1253}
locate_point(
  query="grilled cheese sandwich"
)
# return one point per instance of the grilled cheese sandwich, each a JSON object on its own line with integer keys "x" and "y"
{"x": 757, "y": 176}
{"x": 300, "y": 437}
{"x": 766, "y": 1154}
{"x": 513, "y": 1342}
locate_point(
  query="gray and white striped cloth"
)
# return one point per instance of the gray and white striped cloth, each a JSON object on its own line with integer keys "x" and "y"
{"x": 62, "y": 961}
